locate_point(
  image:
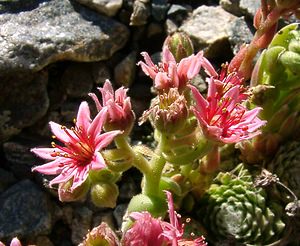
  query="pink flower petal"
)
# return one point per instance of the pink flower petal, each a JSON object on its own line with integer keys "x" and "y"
{"x": 98, "y": 162}
{"x": 105, "y": 139}
{"x": 201, "y": 103}
{"x": 15, "y": 242}
{"x": 45, "y": 153}
{"x": 64, "y": 176}
{"x": 96, "y": 100}
{"x": 80, "y": 176}
{"x": 167, "y": 56}
{"x": 96, "y": 126}
{"x": 61, "y": 133}
{"x": 51, "y": 168}
{"x": 83, "y": 117}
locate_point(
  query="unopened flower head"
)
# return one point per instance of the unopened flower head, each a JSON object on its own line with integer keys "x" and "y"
{"x": 180, "y": 45}
{"x": 80, "y": 152}
{"x": 120, "y": 114}
{"x": 222, "y": 116}
{"x": 170, "y": 74}
{"x": 168, "y": 111}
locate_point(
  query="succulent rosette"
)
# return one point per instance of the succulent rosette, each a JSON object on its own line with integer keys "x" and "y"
{"x": 234, "y": 209}
{"x": 275, "y": 88}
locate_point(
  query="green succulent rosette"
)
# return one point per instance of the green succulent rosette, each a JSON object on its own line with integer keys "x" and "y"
{"x": 233, "y": 209}
{"x": 275, "y": 86}
{"x": 286, "y": 165}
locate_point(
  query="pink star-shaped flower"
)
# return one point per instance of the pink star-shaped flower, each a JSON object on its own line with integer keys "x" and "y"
{"x": 168, "y": 74}
{"x": 80, "y": 152}
{"x": 222, "y": 116}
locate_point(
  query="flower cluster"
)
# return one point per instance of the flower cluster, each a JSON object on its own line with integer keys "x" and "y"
{"x": 188, "y": 128}
{"x": 147, "y": 230}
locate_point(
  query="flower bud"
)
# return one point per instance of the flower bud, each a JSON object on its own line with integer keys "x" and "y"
{"x": 101, "y": 235}
{"x": 65, "y": 193}
{"x": 180, "y": 45}
{"x": 104, "y": 194}
{"x": 168, "y": 112}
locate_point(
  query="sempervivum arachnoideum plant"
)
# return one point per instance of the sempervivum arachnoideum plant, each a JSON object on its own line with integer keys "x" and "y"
{"x": 234, "y": 209}
{"x": 286, "y": 165}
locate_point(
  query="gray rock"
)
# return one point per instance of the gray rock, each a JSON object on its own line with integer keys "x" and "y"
{"x": 78, "y": 79}
{"x": 57, "y": 30}
{"x": 177, "y": 9}
{"x": 19, "y": 157}
{"x": 106, "y": 217}
{"x": 24, "y": 211}
{"x": 232, "y": 6}
{"x": 170, "y": 26}
{"x": 241, "y": 7}
{"x": 81, "y": 224}
{"x": 119, "y": 212}
{"x": 100, "y": 72}
{"x": 249, "y": 7}
{"x": 141, "y": 12}
{"x": 208, "y": 28}
{"x": 239, "y": 33}
{"x": 23, "y": 101}
{"x": 128, "y": 189}
{"x": 124, "y": 72}
{"x": 107, "y": 7}
{"x": 12, "y": 6}
{"x": 159, "y": 9}
{"x": 6, "y": 179}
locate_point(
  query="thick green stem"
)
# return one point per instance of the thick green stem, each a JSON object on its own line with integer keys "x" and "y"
{"x": 139, "y": 161}
{"x": 157, "y": 163}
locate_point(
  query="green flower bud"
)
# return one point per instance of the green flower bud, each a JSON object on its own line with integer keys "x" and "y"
{"x": 104, "y": 175}
{"x": 65, "y": 193}
{"x": 180, "y": 45}
{"x": 104, "y": 194}
{"x": 117, "y": 160}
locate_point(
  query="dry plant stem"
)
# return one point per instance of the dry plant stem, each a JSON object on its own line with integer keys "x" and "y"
{"x": 259, "y": 41}
{"x": 212, "y": 161}
{"x": 139, "y": 161}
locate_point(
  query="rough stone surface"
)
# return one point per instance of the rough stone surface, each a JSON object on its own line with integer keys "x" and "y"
{"x": 239, "y": 33}
{"x": 78, "y": 79}
{"x": 57, "y": 30}
{"x": 23, "y": 101}
{"x": 241, "y": 7}
{"x": 208, "y": 28}
{"x": 124, "y": 72}
{"x": 81, "y": 224}
{"x": 107, "y": 7}
{"x": 24, "y": 211}
{"x": 20, "y": 159}
{"x": 249, "y": 7}
{"x": 13, "y": 6}
{"x": 6, "y": 179}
